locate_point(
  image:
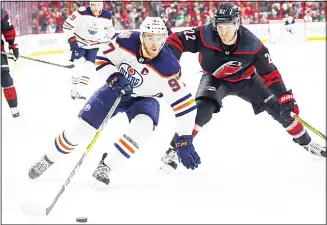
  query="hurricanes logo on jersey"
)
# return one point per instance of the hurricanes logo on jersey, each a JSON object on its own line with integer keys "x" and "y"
{"x": 92, "y": 28}
{"x": 228, "y": 69}
{"x": 133, "y": 77}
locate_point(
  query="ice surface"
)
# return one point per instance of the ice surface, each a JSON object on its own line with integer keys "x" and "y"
{"x": 251, "y": 170}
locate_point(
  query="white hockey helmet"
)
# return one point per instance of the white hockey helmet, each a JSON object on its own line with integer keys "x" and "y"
{"x": 153, "y": 25}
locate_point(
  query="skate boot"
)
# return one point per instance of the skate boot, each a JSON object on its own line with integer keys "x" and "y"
{"x": 77, "y": 95}
{"x": 315, "y": 148}
{"x": 169, "y": 160}
{"x": 101, "y": 174}
{"x": 40, "y": 167}
{"x": 14, "y": 112}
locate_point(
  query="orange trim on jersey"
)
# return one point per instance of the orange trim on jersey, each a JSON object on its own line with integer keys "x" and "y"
{"x": 63, "y": 145}
{"x": 67, "y": 26}
{"x": 184, "y": 105}
{"x": 175, "y": 74}
{"x": 126, "y": 146}
{"x": 100, "y": 62}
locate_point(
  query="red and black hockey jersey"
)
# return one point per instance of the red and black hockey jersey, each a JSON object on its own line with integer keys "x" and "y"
{"x": 7, "y": 29}
{"x": 231, "y": 63}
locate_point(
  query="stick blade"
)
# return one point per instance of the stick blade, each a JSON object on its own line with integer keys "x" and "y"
{"x": 34, "y": 209}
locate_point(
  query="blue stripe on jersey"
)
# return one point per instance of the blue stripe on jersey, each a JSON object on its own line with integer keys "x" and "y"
{"x": 186, "y": 111}
{"x": 121, "y": 151}
{"x": 59, "y": 149}
{"x": 67, "y": 28}
{"x": 181, "y": 100}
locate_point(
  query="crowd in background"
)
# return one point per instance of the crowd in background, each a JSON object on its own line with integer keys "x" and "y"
{"x": 48, "y": 16}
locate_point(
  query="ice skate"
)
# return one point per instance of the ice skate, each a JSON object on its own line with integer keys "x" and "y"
{"x": 77, "y": 94}
{"x": 40, "y": 167}
{"x": 14, "y": 112}
{"x": 101, "y": 174}
{"x": 169, "y": 160}
{"x": 315, "y": 148}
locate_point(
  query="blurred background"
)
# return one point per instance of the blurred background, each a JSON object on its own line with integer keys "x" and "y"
{"x": 48, "y": 16}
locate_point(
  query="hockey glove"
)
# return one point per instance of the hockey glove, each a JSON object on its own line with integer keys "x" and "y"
{"x": 15, "y": 50}
{"x": 75, "y": 50}
{"x": 73, "y": 43}
{"x": 288, "y": 105}
{"x": 119, "y": 83}
{"x": 186, "y": 152}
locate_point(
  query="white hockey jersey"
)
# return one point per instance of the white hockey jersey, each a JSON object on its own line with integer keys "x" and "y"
{"x": 159, "y": 77}
{"x": 89, "y": 30}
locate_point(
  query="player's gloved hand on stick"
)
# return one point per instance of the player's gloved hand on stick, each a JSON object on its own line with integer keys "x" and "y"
{"x": 119, "y": 83}
{"x": 288, "y": 105}
{"x": 186, "y": 152}
{"x": 75, "y": 50}
{"x": 15, "y": 50}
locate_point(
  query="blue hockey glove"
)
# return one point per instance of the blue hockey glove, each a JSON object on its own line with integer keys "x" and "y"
{"x": 186, "y": 152}
{"x": 76, "y": 52}
{"x": 73, "y": 43}
{"x": 119, "y": 83}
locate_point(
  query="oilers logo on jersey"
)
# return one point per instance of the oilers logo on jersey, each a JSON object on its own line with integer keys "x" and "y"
{"x": 92, "y": 28}
{"x": 133, "y": 77}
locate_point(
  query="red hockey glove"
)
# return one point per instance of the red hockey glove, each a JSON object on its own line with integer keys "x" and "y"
{"x": 288, "y": 105}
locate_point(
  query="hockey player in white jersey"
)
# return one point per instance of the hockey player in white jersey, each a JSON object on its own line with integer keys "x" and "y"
{"x": 85, "y": 30}
{"x": 142, "y": 66}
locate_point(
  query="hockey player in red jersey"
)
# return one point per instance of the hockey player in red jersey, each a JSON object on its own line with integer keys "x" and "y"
{"x": 235, "y": 62}
{"x": 7, "y": 83}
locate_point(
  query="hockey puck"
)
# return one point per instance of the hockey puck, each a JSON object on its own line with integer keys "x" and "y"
{"x": 81, "y": 219}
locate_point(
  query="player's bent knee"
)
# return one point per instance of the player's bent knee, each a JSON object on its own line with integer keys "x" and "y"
{"x": 146, "y": 106}
{"x": 140, "y": 128}
{"x": 79, "y": 131}
{"x": 205, "y": 108}
{"x": 6, "y": 79}
{"x": 273, "y": 109}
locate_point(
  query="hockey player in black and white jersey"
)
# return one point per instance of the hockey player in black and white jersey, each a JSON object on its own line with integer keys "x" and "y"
{"x": 235, "y": 62}
{"x": 7, "y": 83}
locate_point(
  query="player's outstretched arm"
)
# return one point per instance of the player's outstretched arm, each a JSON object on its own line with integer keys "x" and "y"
{"x": 183, "y": 104}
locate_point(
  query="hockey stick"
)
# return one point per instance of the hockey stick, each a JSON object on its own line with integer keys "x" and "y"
{"x": 42, "y": 61}
{"x": 310, "y": 127}
{"x": 42, "y": 210}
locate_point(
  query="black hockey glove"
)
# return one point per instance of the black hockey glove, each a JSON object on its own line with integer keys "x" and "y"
{"x": 186, "y": 152}
{"x": 119, "y": 83}
{"x": 288, "y": 105}
{"x": 15, "y": 50}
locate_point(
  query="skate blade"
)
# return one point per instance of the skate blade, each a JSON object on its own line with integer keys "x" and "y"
{"x": 97, "y": 185}
{"x": 34, "y": 209}
{"x": 166, "y": 169}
